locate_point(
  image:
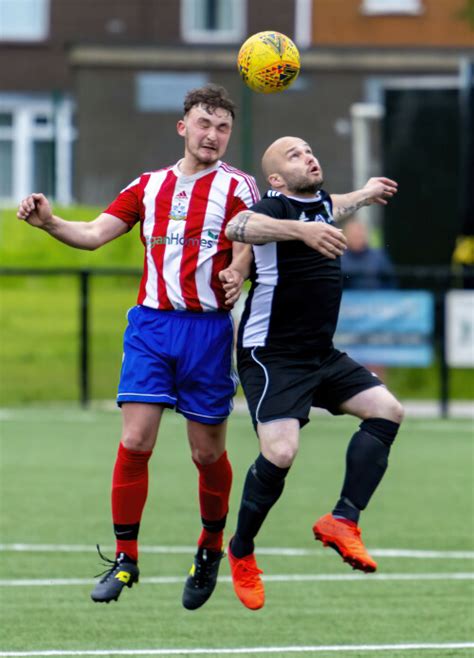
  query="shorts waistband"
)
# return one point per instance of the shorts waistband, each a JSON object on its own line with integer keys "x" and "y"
{"x": 197, "y": 315}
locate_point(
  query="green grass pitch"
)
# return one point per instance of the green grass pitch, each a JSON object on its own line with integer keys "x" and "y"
{"x": 56, "y": 467}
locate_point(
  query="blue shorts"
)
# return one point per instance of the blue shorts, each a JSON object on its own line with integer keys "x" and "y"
{"x": 179, "y": 359}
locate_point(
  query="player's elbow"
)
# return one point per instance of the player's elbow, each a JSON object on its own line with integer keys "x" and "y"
{"x": 237, "y": 230}
{"x": 231, "y": 230}
{"x": 99, "y": 233}
{"x": 94, "y": 240}
{"x": 92, "y": 246}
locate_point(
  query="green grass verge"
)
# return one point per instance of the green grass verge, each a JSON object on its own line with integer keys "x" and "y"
{"x": 39, "y": 337}
{"x": 55, "y": 474}
{"x": 39, "y": 320}
{"x": 24, "y": 246}
{"x": 39, "y": 343}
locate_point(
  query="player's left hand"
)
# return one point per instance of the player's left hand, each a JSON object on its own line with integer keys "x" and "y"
{"x": 380, "y": 190}
{"x": 232, "y": 282}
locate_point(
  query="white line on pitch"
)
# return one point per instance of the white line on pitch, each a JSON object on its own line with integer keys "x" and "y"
{"x": 283, "y": 552}
{"x": 277, "y": 578}
{"x": 336, "y": 648}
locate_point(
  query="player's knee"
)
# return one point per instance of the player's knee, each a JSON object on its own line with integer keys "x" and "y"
{"x": 136, "y": 440}
{"x": 394, "y": 411}
{"x": 205, "y": 456}
{"x": 282, "y": 455}
{"x": 386, "y": 406}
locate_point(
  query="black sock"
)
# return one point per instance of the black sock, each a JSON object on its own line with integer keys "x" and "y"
{"x": 263, "y": 487}
{"x": 366, "y": 463}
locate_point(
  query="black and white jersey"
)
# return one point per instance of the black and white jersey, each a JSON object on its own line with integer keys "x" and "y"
{"x": 296, "y": 291}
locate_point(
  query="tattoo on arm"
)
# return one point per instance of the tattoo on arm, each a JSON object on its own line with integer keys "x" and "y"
{"x": 236, "y": 228}
{"x": 341, "y": 212}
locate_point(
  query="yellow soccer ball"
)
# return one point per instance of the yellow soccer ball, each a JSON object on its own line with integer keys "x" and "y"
{"x": 268, "y": 62}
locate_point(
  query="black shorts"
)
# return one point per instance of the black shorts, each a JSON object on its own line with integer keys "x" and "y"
{"x": 286, "y": 384}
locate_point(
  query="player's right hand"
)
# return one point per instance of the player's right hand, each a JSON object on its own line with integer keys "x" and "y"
{"x": 36, "y": 210}
{"x": 328, "y": 240}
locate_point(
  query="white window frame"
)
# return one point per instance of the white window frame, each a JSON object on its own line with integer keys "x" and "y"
{"x": 399, "y": 7}
{"x": 191, "y": 34}
{"x": 41, "y": 24}
{"x": 23, "y": 133}
{"x": 304, "y": 23}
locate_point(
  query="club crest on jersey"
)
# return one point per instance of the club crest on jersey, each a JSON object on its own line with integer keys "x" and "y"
{"x": 179, "y": 207}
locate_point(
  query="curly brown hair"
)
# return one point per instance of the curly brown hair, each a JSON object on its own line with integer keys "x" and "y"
{"x": 211, "y": 96}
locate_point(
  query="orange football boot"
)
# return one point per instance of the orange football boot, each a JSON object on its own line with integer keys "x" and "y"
{"x": 346, "y": 540}
{"x": 246, "y": 580}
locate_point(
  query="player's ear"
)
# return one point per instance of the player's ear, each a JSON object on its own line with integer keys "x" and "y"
{"x": 275, "y": 180}
{"x": 181, "y": 128}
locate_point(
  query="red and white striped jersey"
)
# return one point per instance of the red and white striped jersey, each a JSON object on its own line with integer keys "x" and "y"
{"x": 182, "y": 220}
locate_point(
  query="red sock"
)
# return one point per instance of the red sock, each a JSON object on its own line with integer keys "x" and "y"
{"x": 215, "y": 481}
{"x": 129, "y": 492}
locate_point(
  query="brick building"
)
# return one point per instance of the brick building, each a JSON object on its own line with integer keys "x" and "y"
{"x": 90, "y": 91}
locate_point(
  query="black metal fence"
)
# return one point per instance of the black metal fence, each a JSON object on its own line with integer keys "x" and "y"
{"x": 437, "y": 280}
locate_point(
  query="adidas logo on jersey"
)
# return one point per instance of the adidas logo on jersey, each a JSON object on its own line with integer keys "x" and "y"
{"x": 182, "y": 195}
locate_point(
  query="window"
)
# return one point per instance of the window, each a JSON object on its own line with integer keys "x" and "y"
{"x": 374, "y": 7}
{"x": 24, "y": 20}
{"x": 164, "y": 92}
{"x": 6, "y": 120}
{"x": 36, "y": 142}
{"x": 6, "y": 167}
{"x": 213, "y": 21}
{"x": 6, "y": 154}
{"x": 44, "y": 166}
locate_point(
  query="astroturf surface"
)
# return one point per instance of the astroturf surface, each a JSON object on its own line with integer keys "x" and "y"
{"x": 56, "y": 467}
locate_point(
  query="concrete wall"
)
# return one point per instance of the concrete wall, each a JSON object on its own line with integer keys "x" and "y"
{"x": 117, "y": 142}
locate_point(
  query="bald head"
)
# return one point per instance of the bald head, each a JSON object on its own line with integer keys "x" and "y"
{"x": 274, "y": 155}
{"x": 290, "y": 167}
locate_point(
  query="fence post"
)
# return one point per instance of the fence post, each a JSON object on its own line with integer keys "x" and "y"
{"x": 84, "y": 276}
{"x": 443, "y": 366}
